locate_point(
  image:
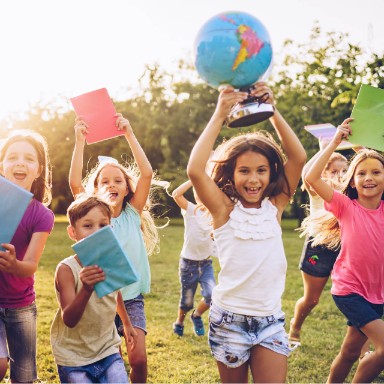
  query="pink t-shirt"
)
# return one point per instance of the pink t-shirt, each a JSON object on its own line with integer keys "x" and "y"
{"x": 359, "y": 267}
{"x": 15, "y": 291}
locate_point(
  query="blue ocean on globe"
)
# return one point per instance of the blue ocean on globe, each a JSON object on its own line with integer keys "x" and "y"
{"x": 232, "y": 48}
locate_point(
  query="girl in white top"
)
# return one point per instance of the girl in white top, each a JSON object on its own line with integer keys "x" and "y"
{"x": 195, "y": 265}
{"x": 250, "y": 186}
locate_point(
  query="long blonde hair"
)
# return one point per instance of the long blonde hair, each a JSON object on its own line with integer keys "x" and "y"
{"x": 131, "y": 175}
{"x": 323, "y": 224}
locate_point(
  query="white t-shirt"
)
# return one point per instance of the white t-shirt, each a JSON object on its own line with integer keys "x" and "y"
{"x": 198, "y": 244}
{"x": 252, "y": 260}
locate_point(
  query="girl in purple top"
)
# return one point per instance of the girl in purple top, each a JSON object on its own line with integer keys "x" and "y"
{"x": 358, "y": 273}
{"x": 24, "y": 161}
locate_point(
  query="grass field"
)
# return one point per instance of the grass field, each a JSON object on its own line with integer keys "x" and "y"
{"x": 187, "y": 359}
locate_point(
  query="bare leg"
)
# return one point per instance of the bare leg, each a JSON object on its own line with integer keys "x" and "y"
{"x": 138, "y": 359}
{"x": 349, "y": 353}
{"x": 313, "y": 287}
{"x": 268, "y": 366}
{"x": 233, "y": 375}
{"x": 180, "y": 316}
{"x": 365, "y": 349}
{"x": 201, "y": 308}
{"x": 371, "y": 366}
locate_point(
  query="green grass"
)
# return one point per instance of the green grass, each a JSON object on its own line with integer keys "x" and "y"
{"x": 187, "y": 359}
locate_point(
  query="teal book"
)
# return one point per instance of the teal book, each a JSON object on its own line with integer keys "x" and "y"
{"x": 102, "y": 248}
{"x": 14, "y": 203}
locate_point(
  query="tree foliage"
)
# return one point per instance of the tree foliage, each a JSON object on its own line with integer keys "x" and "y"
{"x": 317, "y": 82}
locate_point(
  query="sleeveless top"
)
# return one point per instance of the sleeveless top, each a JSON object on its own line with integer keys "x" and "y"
{"x": 252, "y": 260}
{"x": 127, "y": 227}
{"x": 94, "y": 337}
{"x": 198, "y": 244}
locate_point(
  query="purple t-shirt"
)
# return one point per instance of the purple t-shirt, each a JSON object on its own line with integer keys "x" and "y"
{"x": 15, "y": 291}
{"x": 359, "y": 268}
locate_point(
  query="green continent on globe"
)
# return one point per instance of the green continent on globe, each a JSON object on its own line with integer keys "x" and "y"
{"x": 250, "y": 45}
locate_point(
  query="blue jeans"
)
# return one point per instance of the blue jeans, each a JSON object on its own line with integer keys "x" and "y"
{"x": 18, "y": 330}
{"x": 111, "y": 369}
{"x": 232, "y": 336}
{"x": 136, "y": 313}
{"x": 191, "y": 274}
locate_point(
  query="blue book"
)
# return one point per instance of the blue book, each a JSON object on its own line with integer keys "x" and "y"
{"x": 14, "y": 203}
{"x": 102, "y": 248}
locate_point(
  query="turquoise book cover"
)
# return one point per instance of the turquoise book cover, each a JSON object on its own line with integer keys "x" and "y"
{"x": 14, "y": 203}
{"x": 102, "y": 248}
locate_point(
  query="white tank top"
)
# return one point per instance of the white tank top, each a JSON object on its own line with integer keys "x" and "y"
{"x": 252, "y": 260}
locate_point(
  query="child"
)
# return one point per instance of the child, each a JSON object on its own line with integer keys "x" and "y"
{"x": 316, "y": 260}
{"x": 358, "y": 273}
{"x": 250, "y": 186}
{"x": 131, "y": 220}
{"x": 84, "y": 338}
{"x": 24, "y": 161}
{"x": 195, "y": 262}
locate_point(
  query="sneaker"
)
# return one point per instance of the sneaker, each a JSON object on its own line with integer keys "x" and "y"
{"x": 198, "y": 325}
{"x": 178, "y": 329}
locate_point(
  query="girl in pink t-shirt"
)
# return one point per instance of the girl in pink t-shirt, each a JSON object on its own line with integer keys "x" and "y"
{"x": 24, "y": 161}
{"x": 358, "y": 273}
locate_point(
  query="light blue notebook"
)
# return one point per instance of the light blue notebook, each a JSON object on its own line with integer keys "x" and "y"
{"x": 14, "y": 202}
{"x": 102, "y": 248}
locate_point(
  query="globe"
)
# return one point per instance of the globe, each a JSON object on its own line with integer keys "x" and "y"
{"x": 232, "y": 48}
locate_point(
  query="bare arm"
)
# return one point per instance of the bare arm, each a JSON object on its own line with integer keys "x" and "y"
{"x": 313, "y": 176}
{"x": 28, "y": 266}
{"x": 130, "y": 334}
{"x": 144, "y": 182}
{"x": 296, "y": 155}
{"x": 209, "y": 193}
{"x": 178, "y": 194}
{"x": 73, "y": 305}
{"x": 75, "y": 172}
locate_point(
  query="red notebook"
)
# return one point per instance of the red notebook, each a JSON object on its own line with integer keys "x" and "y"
{"x": 97, "y": 110}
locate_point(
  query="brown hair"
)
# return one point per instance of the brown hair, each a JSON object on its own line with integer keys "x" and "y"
{"x": 42, "y": 186}
{"x": 261, "y": 142}
{"x": 83, "y": 204}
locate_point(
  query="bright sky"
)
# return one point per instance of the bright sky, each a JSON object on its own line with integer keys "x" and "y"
{"x": 54, "y": 48}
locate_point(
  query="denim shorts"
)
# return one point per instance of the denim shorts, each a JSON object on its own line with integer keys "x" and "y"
{"x": 232, "y": 336}
{"x": 357, "y": 310}
{"x": 18, "y": 331}
{"x": 111, "y": 369}
{"x": 192, "y": 273}
{"x": 135, "y": 310}
{"x": 317, "y": 261}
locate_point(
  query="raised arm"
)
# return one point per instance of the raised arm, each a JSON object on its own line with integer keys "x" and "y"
{"x": 313, "y": 176}
{"x": 75, "y": 172}
{"x": 178, "y": 194}
{"x": 144, "y": 182}
{"x": 322, "y": 144}
{"x": 292, "y": 147}
{"x": 207, "y": 190}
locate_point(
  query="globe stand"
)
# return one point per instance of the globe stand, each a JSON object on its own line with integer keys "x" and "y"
{"x": 251, "y": 111}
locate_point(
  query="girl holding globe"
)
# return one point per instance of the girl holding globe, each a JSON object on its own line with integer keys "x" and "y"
{"x": 251, "y": 185}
